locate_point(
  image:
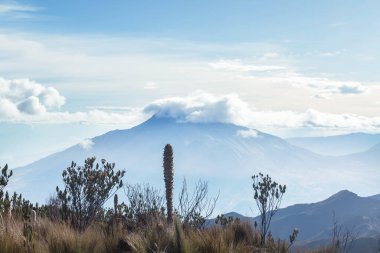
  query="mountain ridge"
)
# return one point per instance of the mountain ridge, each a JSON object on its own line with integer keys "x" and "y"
{"x": 225, "y": 155}
{"x": 358, "y": 215}
{"x": 338, "y": 145}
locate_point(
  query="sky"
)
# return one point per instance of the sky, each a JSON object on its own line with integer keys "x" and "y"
{"x": 71, "y": 70}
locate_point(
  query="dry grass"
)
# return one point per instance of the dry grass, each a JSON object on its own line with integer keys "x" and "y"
{"x": 51, "y": 237}
{"x": 157, "y": 237}
{"x": 55, "y": 237}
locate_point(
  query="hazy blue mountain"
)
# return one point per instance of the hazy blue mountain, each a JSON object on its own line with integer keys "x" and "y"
{"x": 337, "y": 145}
{"x": 377, "y": 197}
{"x": 225, "y": 155}
{"x": 359, "y": 245}
{"x": 359, "y": 215}
{"x": 370, "y": 157}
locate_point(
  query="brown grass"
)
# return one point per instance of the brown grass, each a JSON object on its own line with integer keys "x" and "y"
{"x": 55, "y": 237}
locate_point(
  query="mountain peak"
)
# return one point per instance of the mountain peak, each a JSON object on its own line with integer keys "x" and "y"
{"x": 167, "y": 119}
{"x": 343, "y": 194}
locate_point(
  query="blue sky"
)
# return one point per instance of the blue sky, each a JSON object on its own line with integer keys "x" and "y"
{"x": 85, "y": 67}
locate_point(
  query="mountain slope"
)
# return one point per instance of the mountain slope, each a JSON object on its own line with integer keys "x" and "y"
{"x": 358, "y": 215}
{"x": 337, "y": 145}
{"x": 369, "y": 157}
{"x": 225, "y": 155}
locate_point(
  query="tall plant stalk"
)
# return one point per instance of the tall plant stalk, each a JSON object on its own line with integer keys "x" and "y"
{"x": 168, "y": 178}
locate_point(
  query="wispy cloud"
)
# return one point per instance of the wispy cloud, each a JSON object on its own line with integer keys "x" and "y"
{"x": 320, "y": 87}
{"x": 237, "y": 65}
{"x": 15, "y": 10}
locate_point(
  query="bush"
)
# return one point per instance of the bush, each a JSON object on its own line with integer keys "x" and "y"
{"x": 144, "y": 204}
{"x": 86, "y": 190}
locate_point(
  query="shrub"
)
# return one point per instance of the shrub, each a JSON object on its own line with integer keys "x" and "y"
{"x": 268, "y": 195}
{"x": 86, "y": 189}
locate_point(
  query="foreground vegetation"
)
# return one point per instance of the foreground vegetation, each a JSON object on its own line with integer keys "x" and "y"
{"x": 48, "y": 236}
{"x": 76, "y": 220}
{"x": 157, "y": 236}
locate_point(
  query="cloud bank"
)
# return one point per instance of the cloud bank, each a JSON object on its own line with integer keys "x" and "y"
{"x": 24, "y": 96}
{"x": 26, "y": 101}
{"x": 203, "y": 107}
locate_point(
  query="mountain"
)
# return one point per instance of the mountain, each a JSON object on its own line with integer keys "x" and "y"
{"x": 369, "y": 157}
{"x": 358, "y": 215}
{"x": 337, "y": 145}
{"x": 225, "y": 155}
{"x": 314, "y": 221}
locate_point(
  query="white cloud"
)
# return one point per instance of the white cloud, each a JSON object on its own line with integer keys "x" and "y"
{"x": 315, "y": 119}
{"x": 204, "y": 107}
{"x": 237, "y": 65}
{"x": 319, "y": 87}
{"x": 12, "y": 10}
{"x": 95, "y": 117}
{"x": 25, "y": 101}
{"x": 150, "y": 86}
{"x": 28, "y": 97}
{"x": 51, "y": 98}
{"x": 86, "y": 144}
{"x": 179, "y": 68}
{"x": 78, "y": 64}
{"x": 8, "y": 110}
{"x": 201, "y": 107}
{"x": 13, "y": 6}
{"x": 31, "y": 105}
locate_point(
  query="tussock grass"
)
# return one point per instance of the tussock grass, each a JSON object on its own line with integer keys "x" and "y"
{"x": 156, "y": 237}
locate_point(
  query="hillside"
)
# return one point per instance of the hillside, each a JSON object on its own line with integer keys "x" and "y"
{"x": 225, "y": 155}
{"x": 358, "y": 215}
{"x": 337, "y": 145}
